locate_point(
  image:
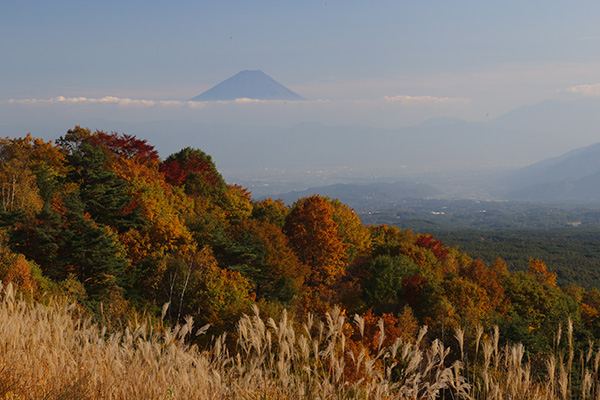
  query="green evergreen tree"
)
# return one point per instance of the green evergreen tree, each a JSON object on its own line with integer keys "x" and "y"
{"x": 74, "y": 244}
{"x": 41, "y": 241}
{"x": 94, "y": 252}
{"x": 103, "y": 194}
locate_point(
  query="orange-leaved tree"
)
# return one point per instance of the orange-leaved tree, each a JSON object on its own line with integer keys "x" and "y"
{"x": 353, "y": 232}
{"x": 539, "y": 270}
{"x": 314, "y": 236}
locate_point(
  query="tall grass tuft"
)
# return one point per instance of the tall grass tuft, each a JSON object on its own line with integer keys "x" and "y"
{"x": 49, "y": 352}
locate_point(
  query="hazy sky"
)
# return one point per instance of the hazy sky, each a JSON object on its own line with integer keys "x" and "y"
{"x": 379, "y": 63}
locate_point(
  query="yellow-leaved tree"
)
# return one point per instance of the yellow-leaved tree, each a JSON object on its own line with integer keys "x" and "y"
{"x": 539, "y": 270}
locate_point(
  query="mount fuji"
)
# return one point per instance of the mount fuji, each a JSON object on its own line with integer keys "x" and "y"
{"x": 248, "y": 85}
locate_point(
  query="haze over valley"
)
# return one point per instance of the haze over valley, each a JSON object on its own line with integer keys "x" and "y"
{"x": 463, "y": 159}
{"x": 424, "y": 118}
{"x": 423, "y": 93}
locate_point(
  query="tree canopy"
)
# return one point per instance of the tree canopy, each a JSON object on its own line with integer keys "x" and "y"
{"x": 101, "y": 217}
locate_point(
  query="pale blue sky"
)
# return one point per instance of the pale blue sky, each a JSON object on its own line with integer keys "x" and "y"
{"x": 377, "y": 63}
{"x": 160, "y": 48}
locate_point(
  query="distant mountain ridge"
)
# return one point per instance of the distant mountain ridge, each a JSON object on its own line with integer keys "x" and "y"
{"x": 248, "y": 85}
{"x": 436, "y": 151}
{"x": 571, "y": 177}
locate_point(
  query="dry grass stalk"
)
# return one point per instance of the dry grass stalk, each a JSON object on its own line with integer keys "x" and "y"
{"x": 48, "y": 352}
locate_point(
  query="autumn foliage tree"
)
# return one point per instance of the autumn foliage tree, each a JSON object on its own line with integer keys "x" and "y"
{"x": 539, "y": 270}
{"x": 126, "y": 147}
{"x": 263, "y": 252}
{"x": 427, "y": 241}
{"x": 15, "y": 268}
{"x": 269, "y": 210}
{"x": 355, "y": 235}
{"x": 27, "y": 166}
{"x": 196, "y": 172}
{"x": 314, "y": 236}
{"x": 109, "y": 223}
{"x": 129, "y": 157}
{"x": 488, "y": 279}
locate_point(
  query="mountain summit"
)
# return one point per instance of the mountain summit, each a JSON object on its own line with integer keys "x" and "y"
{"x": 248, "y": 85}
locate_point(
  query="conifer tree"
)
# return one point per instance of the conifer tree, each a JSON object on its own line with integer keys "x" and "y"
{"x": 103, "y": 194}
{"x": 94, "y": 253}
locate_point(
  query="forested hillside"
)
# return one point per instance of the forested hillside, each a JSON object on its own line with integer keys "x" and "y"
{"x": 101, "y": 218}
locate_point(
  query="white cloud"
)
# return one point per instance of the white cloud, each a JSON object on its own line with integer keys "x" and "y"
{"x": 125, "y": 102}
{"x": 171, "y": 103}
{"x": 425, "y": 100}
{"x": 85, "y": 100}
{"x": 384, "y": 112}
{"x": 585, "y": 90}
{"x": 137, "y": 102}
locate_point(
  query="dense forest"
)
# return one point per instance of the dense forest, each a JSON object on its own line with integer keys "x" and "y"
{"x": 573, "y": 254}
{"x": 427, "y": 214}
{"x": 100, "y": 218}
{"x": 565, "y": 236}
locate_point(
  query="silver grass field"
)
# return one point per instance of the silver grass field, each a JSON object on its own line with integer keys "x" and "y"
{"x": 48, "y": 352}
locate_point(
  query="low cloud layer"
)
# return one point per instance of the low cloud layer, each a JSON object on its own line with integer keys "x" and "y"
{"x": 585, "y": 90}
{"x": 384, "y": 111}
{"x": 400, "y": 99}
{"x": 147, "y": 103}
{"x": 85, "y": 100}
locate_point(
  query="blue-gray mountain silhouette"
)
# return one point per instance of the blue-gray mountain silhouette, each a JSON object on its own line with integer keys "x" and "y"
{"x": 573, "y": 177}
{"x": 248, "y": 85}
